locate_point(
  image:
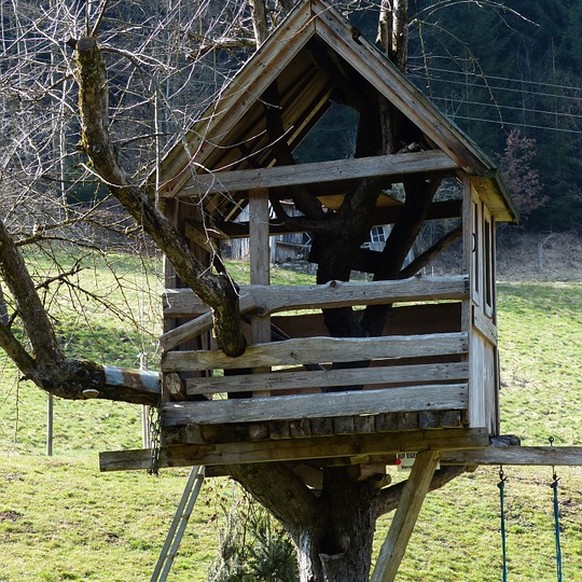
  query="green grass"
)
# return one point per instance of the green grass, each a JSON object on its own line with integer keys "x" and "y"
{"x": 60, "y": 519}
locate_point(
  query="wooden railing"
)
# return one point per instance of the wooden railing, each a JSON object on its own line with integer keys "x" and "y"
{"x": 319, "y": 377}
{"x": 265, "y": 300}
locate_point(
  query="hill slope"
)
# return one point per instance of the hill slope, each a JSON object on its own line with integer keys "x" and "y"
{"x": 62, "y": 520}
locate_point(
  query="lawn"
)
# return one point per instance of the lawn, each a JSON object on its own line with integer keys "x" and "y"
{"x": 60, "y": 519}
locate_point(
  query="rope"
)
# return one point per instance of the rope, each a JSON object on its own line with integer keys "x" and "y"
{"x": 554, "y": 486}
{"x": 501, "y": 485}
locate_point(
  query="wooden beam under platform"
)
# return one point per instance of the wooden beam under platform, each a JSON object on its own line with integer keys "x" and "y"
{"x": 404, "y": 520}
{"x": 291, "y": 449}
{"x": 516, "y": 455}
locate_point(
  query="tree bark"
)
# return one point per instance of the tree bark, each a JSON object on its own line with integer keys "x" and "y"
{"x": 333, "y": 530}
{"x": 217, "y": 290}
{"x": 47, "y": 365}
{"x": 259, "y": 17}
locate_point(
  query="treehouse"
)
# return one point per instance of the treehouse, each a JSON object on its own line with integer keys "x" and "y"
{"x": 429, "y": 376}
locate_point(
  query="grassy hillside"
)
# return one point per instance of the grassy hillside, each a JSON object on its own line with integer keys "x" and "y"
{"x": 60, "y": 519}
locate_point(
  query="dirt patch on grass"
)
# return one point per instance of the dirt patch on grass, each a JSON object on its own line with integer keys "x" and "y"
{"x": 12, "y": 516}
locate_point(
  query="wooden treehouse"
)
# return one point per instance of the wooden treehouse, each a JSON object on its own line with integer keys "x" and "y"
{"x": 431, "y": 379}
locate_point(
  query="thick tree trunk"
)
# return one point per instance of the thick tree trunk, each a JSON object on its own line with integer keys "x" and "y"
{"x": 344, "y": 544}
{"x": 342, "y": 551}
{"x": 333, "y": 529}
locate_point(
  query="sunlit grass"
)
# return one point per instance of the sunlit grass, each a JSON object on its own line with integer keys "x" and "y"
{"x": 60, "y": 519}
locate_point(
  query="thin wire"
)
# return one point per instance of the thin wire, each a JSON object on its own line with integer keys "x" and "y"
{"x": 502, "y": 123}
{"x": 498, "y": 78}
{"x": 508, "y": 107}
{"x": 492, "y": 87}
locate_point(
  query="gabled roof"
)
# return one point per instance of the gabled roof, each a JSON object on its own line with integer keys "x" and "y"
{"x": 312, "y": 55}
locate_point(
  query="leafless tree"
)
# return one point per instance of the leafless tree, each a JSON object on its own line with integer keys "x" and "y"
{"x": 92, "y": 94}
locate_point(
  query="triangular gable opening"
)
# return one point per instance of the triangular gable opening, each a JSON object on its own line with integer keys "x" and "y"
{"x": 311, "y": 62}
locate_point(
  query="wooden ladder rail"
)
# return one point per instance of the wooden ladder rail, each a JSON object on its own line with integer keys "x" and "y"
{"x": 178, "y": 525}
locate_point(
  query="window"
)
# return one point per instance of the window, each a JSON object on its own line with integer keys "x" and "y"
{"x": 476, "y": 246}
{"x": 378, "y": 234}
{"x": 488, "y": 259}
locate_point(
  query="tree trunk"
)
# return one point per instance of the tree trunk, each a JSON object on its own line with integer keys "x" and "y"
{"x": 333, "y": 529}
{"x": 217, "y": 290}
{"x": 341, "y": 548}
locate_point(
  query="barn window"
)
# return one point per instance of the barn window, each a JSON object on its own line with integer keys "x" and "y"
{"x": 378, "y": 234}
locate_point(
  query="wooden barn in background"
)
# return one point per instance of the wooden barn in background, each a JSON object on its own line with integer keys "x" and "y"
{"x": 430, "y": 381}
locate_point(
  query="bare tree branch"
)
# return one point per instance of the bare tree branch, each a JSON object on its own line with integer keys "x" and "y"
{"x": 426, "y": 257}
{"x": 215, "y": 290}
{"x": 388, "y": 498}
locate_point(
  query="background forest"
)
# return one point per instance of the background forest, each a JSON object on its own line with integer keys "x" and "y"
{"x": 507, "y": 70}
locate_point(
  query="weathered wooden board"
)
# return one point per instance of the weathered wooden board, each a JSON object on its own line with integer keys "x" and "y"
{"x": 236, "y": 101}
{"x": 402, "y": 525}
{"x": 318, "y": 350}
{"x": 382, "y": 215}
{"x": 319, "y": 447}
{"x": 484, "y": 325}
{"x": 316, "y": 173}
{"x": 516, "y": 455}
{"x": 283, "y": 380}
{"x": 400, "y": 399}
{"x": 271, "y": 299}
{"x": 265, "y": 299}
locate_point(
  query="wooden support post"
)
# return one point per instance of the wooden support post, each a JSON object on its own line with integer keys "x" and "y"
{"x": 259, "y": 259}
{"x": 413, "y": 494}
{"x": 49, "y": 425}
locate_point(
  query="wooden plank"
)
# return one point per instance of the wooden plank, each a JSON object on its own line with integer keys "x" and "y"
{"x": 429, "y": 419}
{"x": 411, "y": 499}
{"x": 517, "y": 455}
{"x": 259, "y": 237}
{"x": 279, "y": 429}
{"x": 259, "y": 265}
{"x": 276, "y": 381}
{"x": 319, "y": 447}
{"x": 300, "y": 428}
{"x": 182, "y": 303}
{"x": 201, "y": 324}
{"x": 484, "y": 325}
{"x": 272, "y": 299}
{"x": 321, "y": 426}
{"x": 246, "y": 87}
{"x": 407, "y": 420}
{"x": 386, "y": 422}
{"x": 451, "y": 419}
{"x": 343, "y": 425}
{"x": 402, "y": 399}
{"x": 341, "y": 294}
{"x": 320, "y": 172}
{"x": 266, "y": 299}
{"x": 364, "y": 424}
{"x": 382, "y": 215}
{"x": 318, "y": 350}
{"x": 186, "y": 331}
